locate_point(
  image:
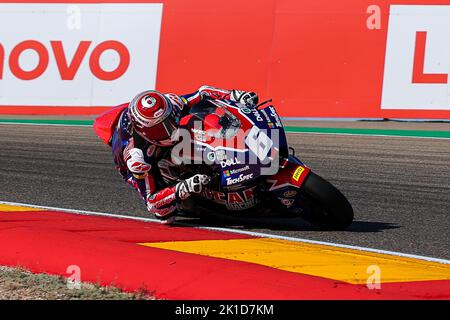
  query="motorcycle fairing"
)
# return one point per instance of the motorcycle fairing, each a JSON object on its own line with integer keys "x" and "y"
{"x": 291, "y": 174}
{"x": 105, "y": 123}
{"x": 234, "y": 163}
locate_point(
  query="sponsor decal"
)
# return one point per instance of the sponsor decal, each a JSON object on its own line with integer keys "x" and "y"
{"x": 84, "y": 57}
{"x": 221, "y": 155}
{"x": 240, "y": 200}
{"x": 268, "y": 119}
{"x": 259, "y": 143}
{"x": 228, "y": 173}
{"x": 287, "y": 202}
{"x": 416, "y": 72}
{"x": 148, "y": 102}
{"x": 246, "y": 110}
{"x": 264, "y": 113}
{"x": 164, "y": 201}
{"x": 211, "y": 156}
{"x": 241, "y": 178}
{"x": 158, "y": 113}
{"x": 229, "y": 162}
{"x": 290, "y": 193}
{"x": 298, "y": 173}
{"x": 239, "y": 203}
{"x": 257, "y": 115}
{"x": 216, "y": 196}
{"x": 239, "y": 170}
{"x": 199, "y": 135}
{"x": 274, "y": 114}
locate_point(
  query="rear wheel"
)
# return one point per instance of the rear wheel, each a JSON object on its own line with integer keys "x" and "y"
{"x": 324, "y": 205}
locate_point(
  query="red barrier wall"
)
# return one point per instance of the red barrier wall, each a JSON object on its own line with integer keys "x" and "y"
{"x": 314, "y": 58}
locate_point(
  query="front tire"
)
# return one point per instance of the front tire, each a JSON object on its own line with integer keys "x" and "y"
{"x": 324, "y": 205}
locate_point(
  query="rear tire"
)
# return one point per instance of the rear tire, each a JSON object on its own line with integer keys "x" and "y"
{"x": 324, "y": 205}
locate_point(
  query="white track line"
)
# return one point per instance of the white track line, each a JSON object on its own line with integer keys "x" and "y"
{"x": 251, "y": 233}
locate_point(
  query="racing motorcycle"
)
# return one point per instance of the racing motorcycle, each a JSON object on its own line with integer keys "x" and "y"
{"x": 253, "y": 172}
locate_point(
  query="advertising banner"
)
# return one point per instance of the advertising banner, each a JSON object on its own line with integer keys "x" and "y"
{"x": 323, "y": 58}
{"x": 90, "y": 54}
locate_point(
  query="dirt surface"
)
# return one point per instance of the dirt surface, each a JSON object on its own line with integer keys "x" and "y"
{"x": 19, "y": 284}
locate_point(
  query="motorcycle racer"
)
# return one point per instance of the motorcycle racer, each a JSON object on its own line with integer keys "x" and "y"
{"x": 145, "y": 130}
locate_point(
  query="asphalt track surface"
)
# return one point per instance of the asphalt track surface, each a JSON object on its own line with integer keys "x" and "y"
{"x": 399, "y": 187}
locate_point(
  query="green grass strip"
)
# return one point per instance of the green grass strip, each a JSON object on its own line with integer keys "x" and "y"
{"x": 373, "y": 132}
{"x": 50, "y": 121}
{"x": 355, "y": 131}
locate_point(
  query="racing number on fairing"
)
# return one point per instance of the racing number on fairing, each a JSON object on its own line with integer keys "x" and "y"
{"x": 259, "y": 143}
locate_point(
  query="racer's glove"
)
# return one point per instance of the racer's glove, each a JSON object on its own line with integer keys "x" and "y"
{"x": 136, "y": 163}
{"x": 249, "y": 99}
{"x": 192, "y": 185}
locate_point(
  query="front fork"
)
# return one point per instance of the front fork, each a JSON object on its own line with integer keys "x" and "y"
{"x": 286, "y": 184}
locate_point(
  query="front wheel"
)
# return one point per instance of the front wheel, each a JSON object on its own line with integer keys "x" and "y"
{"x": 324, "y": 205}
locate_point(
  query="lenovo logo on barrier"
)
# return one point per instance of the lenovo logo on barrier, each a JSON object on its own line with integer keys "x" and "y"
{"x": 67, "y": 70}
{"x": 104, "y": 61}
{"x": 417, "y": 67}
